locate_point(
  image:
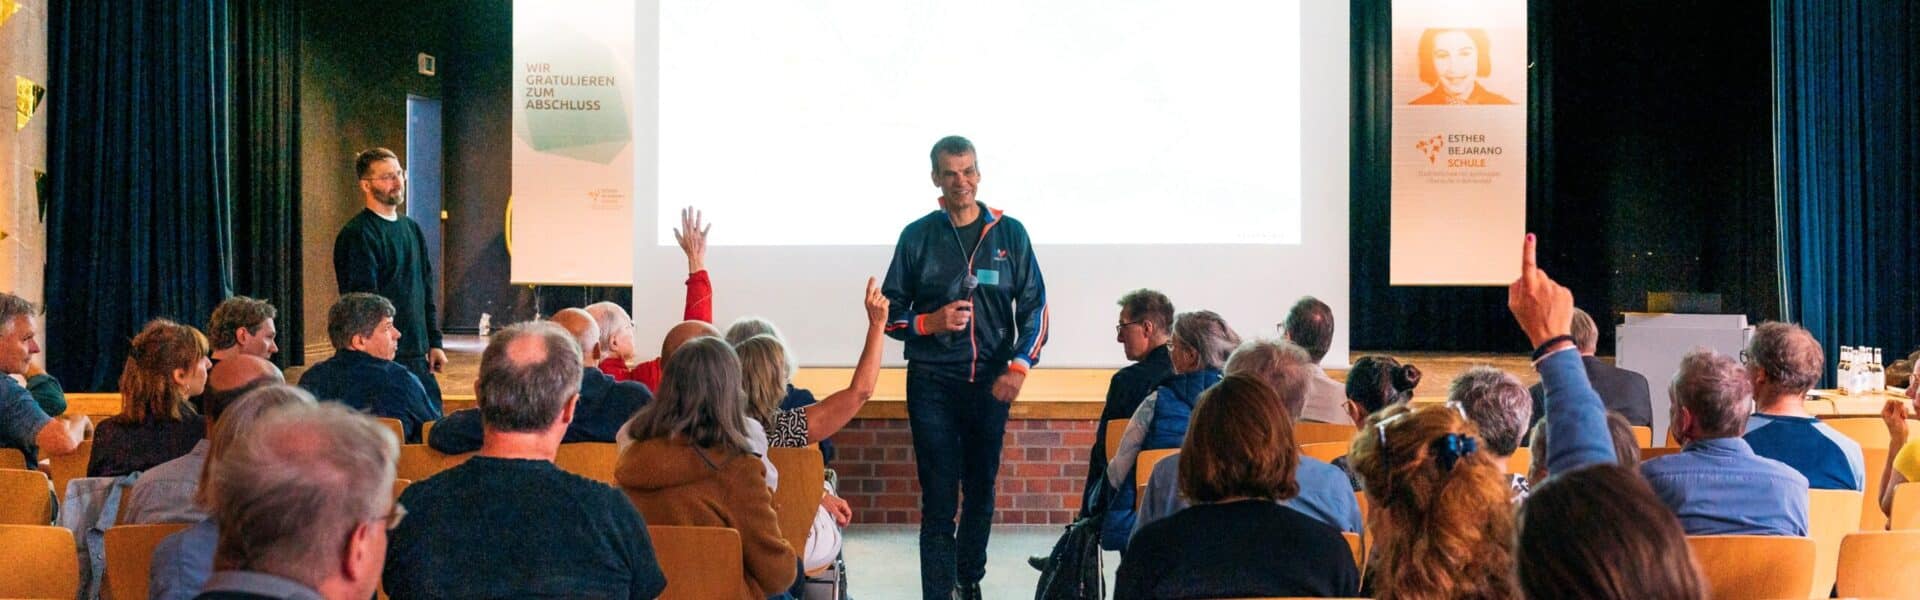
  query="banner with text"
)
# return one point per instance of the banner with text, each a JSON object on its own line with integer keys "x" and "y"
{"x": 1459, "y": 181}
{"x": 570, "y": 219}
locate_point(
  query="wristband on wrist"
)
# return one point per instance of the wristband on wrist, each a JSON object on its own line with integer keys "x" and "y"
{"x": 1541, "y": 350}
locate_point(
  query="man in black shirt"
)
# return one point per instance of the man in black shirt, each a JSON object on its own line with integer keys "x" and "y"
{"x": 508, "y": 523}
{"x": 381, "y": 251}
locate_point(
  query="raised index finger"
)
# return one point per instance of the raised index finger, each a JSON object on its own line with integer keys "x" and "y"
{"x": 1527, "y": 262}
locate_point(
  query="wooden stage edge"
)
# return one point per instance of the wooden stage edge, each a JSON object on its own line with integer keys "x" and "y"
{"x": 1049, "y": 394}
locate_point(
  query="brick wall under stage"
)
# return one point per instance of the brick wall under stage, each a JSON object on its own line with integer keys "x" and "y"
{"x": 1043, "y": 466}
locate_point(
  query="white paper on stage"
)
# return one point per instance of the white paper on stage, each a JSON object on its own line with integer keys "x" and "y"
{"x": 574, "y": 125}
{"x": 1459, "y": 160}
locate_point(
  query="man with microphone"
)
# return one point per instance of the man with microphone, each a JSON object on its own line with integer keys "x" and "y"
{"x": 967, "y": 298}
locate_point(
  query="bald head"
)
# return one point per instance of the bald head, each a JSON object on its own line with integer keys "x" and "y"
{"x": 585, "y": 331}
{"x": 234, "y": 377}
{"x": 528, "y": 372}
{"x": 684, "y": 332}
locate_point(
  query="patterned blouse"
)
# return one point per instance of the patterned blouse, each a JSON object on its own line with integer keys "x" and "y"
{"x": 788, "y": 429}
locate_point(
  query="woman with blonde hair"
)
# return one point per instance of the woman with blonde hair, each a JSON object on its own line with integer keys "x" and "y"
{"x": 1441, "y": 520}
{"x": 692, "y": 462}
{"x": 166, "y": 365}
{"x": 767, "y": 372}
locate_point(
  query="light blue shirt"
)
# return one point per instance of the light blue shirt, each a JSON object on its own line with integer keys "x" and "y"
{"x": 1720, "y": 487}
{"x": 182, "y": 562}
{"x": 1325, "y": 494}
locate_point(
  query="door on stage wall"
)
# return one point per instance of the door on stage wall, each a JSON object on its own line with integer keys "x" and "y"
{"x": 424, "y": 184}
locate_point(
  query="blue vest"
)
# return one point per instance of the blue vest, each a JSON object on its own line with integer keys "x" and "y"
{"x": 1173, "y": 407}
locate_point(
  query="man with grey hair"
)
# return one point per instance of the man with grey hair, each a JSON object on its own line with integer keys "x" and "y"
{"x": 23, "y": 425}
{"x": 1717, "y": 485}
{"x": 1498, "y": 405}
{"x": 1784, "y": 361}
{"x": 507, "y": 523}
{"x": 1623, "y": 391}
{"x": 605, "y": 404}
{"x": 362, "y": 373}
{"x": 1325, "y": 493}
{"x": 1309, "y": 324}
{"x": 305, "y": 502}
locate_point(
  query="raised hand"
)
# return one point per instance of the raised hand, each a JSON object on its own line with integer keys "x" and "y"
{"x": 692, "y": 236}
{"x": 1542, "y": 307}
{"x": 876, "y": 303}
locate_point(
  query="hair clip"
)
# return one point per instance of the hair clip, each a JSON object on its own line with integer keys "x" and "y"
{"x": 1449, "y": 448}
{"x": 1381, "y": 428}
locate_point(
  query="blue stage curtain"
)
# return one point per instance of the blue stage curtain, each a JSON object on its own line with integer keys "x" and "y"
{"x": 1847, "y": 131}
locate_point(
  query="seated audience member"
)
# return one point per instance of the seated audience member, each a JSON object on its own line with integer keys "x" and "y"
{"x": 507, "y": 523}
{"x": 1442, "y": 515}
{"x": 1374, "y": 383}
{"x": 182, "y": 562}
{"x": 1236, "y": 464}
{"x": 745, "y": 328}
{"x": 1309, "y": 324}
{"x": 240, "y": 326}
{"x": 167, "y": 363}
{"x": 625, "y": 364}
{"x": 24, "y": 426}
{"x": 1784, "y": 361}
{"x": 307, "y": 502}
{"x": 1903, "y": 456}
{"x": 164, "y": 493}
{"x": 1324, "y": 492}
{"x": 1600, "y": 533}
{"x": 691, "y": 462}
{"x": 1622, "y": 391}
{"x": 361, "y": 373}
{"x": 604, "y": 404}
{"x": 1144, "y": 330}
{"x": 685, "y": 332}
{"x": 1201, "y": 342}
{"x": 1498, "y": 405}
{"x": 1626, "y": 449}
{"x": 1544, "y": 310}
{"x": 1717, "y": 484}
{"x": 768, "y": 375}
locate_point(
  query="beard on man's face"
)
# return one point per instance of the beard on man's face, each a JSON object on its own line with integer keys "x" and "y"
{"x": 391, "y": 199}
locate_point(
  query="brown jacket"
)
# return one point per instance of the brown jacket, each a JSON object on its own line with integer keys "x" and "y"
{"x": 672, "y": 483}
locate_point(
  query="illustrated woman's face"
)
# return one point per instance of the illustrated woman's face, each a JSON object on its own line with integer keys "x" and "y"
{"x": 1456, "y": 60}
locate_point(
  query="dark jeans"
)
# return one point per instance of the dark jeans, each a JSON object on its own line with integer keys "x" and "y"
{"x": 418, "y": 365}
{"x": 957, "y": 432}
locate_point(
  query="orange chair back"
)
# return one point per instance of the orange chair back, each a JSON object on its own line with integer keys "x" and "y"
{"x": 1325, "y": 451}
{"x": 592, "y": 460}
{"x": 1755, "y": 566}
{"x": 1880, "y": 564}
{"x": 1906, "y": 507}
{"x": 1831, "y": 515}
{"x": 1314, "y": 433}
{"x": 130, "y": 556}
{"x": 701, "y": 563}
{"x": 41, "y": 562}
{"x": 68, "y": 467}
{"x": 26, "y": 497}
{"x": 803, "y": 478}
{"x": 1115, "y": 429}
{"x": 1143, "y": 471}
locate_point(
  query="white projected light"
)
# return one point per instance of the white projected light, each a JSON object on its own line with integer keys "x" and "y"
{"x": 1098, "y": 122}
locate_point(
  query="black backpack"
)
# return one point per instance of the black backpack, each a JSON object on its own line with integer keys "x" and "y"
{"x": 1073, "y": 569}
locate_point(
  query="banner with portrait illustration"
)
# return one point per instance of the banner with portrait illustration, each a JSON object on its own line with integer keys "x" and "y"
{"x": 1459, "y": 162}
{"x": 570, "y": 218}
